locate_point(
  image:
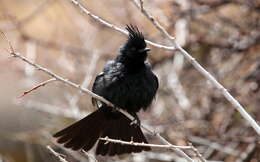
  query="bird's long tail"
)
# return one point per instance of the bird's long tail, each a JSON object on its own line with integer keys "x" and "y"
{"x": 104, "y": 122}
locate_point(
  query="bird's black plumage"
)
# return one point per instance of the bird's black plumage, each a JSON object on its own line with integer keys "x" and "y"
{"x": 127, "y": 82}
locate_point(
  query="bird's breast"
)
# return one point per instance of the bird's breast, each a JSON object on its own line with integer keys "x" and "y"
{"x": 132, "y": 91}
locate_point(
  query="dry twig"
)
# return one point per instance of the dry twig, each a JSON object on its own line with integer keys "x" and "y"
{"x": 214, "y": 145}
{"x": 58, "y": 155}
{"x": 36, "y": 87}
{"x": 250, "y": 148}
{"x": 87, "y": 79}
{"x": 88, "y": 155}
{"x": 145, "y": 144}
{"x": 107, "y": 24}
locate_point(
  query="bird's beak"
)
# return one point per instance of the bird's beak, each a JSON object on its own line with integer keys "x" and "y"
{"x": 145, "y": 50}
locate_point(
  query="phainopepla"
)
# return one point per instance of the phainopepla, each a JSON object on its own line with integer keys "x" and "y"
{"x": 128, "y": 83}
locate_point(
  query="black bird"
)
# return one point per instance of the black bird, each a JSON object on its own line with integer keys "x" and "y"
{"x": 129, "y": 84}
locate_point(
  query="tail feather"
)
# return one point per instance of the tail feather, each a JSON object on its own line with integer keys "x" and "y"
{"x": 83, "y": 133}
{"x": 102, "y": 123}
{"x": 108, "y": 132}
{"x": 86, "y": 136}
{"x": 122, "y": 130}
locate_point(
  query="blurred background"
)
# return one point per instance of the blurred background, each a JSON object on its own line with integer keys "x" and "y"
{"x": 223, "y": 36}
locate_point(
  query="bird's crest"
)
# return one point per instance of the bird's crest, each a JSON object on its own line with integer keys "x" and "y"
{"x": 135, "y": 38}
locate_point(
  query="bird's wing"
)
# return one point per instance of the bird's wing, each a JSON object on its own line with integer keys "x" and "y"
{"x": 111, "y": 74}
{"x": 156, "y": 83}
{"x": 154, "y": 77}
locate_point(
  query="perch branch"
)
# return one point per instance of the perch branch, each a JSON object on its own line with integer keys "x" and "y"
{"x": 143, "y": 144}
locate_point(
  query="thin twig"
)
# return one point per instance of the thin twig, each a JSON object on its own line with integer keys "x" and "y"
{"x": 36, "y": 87}
{"x": 84, "y": 10}
{"x": 89, "y": 156}
{"x": 198, "y": 154}
{"x": 214, "y": 145}
{"x": 177, "y": 88}
{"x": 141, "y": 4}
{"x": 58, "y": 155}
{"x": 76, "y": 155}
{"x": 151, "y": 18}
{"x": 205, "y": 73}
{"x": 250, "y": 148}
{"x": 59, "y": 78}
{"x": 87, "y": 79}
{"x": 144, "y": 144}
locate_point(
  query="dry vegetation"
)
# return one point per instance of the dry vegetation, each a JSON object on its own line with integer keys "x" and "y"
{"x": 222, "y": 36}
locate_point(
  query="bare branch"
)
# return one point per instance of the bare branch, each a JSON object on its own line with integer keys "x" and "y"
{"x": 84, "y": 10}
{"x": 87, "y": 79}
{"x": 250, "y": 148}
{"x": 88, "y": 155}
{"x": 144, "y": 144}
{"x": 59, "y": 78}
{"x": 141, "y": 4}
{"x": 169, "y": 146}
{"x": 58, "y": 155}
{"x": 151, "y": 18}
{"x": 36, "y": 87}
{"x": 77, "y": 155}
{"x": 214, "y": 145}
{"x": 198, "y": 154}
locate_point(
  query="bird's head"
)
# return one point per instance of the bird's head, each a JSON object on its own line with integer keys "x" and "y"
{"x": 134, "y": 50}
